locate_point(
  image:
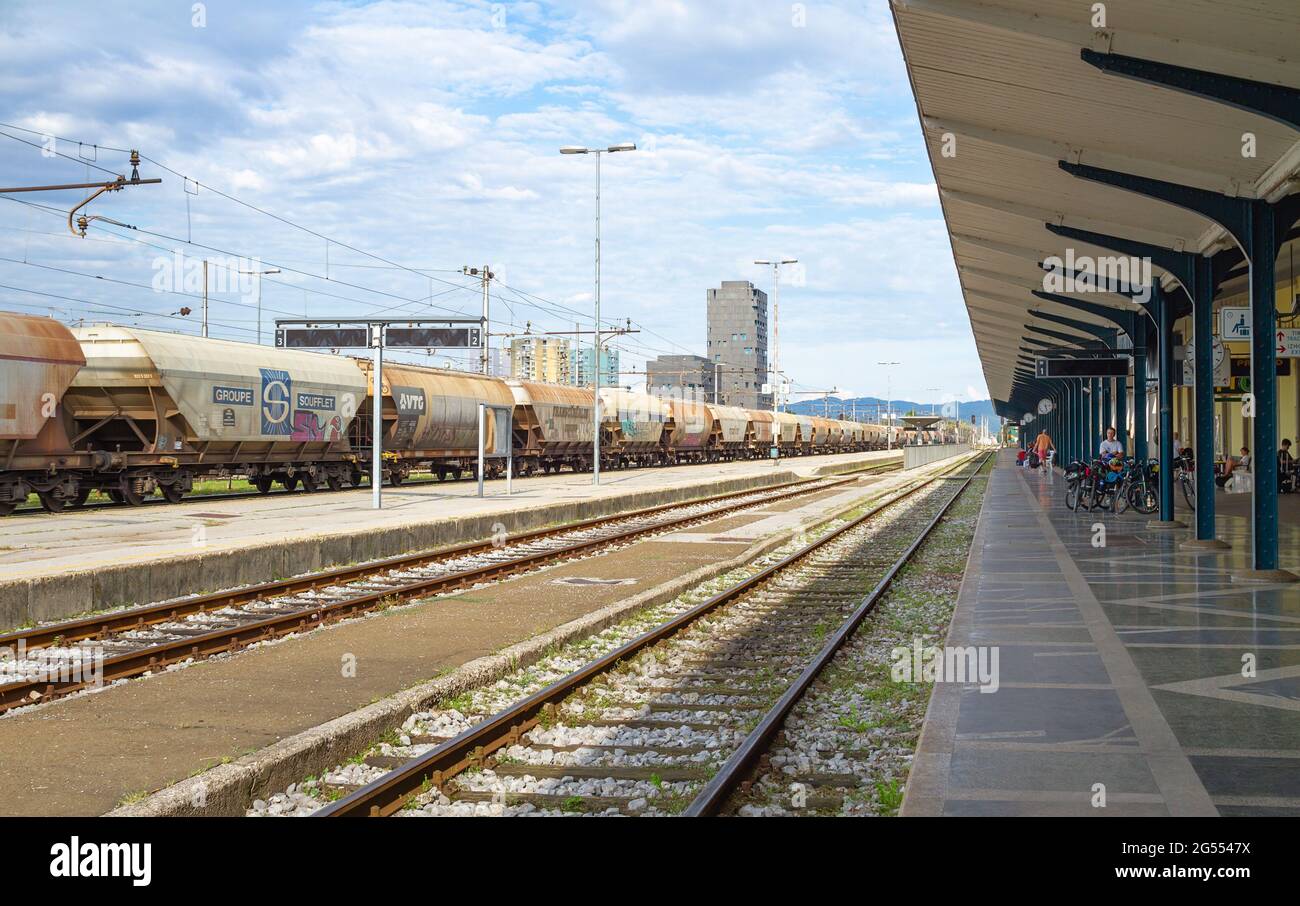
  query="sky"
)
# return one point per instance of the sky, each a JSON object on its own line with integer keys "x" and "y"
{"x": 370, "y": 150}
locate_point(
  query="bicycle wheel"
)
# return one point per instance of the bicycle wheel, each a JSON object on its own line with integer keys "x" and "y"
{"x": 1072, "y": 496}
{"x": 1120, "y": 504}
{"x": 1189, "y": 493}
{"x": 1144, "y": 499}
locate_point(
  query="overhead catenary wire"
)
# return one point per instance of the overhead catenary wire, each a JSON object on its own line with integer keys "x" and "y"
{"x": 523, "y": 297}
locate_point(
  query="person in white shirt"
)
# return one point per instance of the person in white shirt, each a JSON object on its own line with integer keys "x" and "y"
{"x": 1110, "y": 447}
{"x": 1241, "y": 465}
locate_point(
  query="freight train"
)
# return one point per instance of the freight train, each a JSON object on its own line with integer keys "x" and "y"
{"x": 132, "y": 412}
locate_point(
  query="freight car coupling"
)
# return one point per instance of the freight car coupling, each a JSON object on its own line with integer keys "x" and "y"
{"x": 177, "y": 409}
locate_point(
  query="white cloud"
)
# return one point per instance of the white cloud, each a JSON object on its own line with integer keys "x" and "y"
{"x": 426, "y": 134}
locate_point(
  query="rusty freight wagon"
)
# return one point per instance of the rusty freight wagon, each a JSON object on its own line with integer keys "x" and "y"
{"x": 788, "y": 431}
{"x": 826, "y": 434}
{"x": 430, "y": 419}
{"x": 553, "y": 427}
{"x": 689, "y": 431}
{"x": 762, "y": 424}
{"x": 38, "y": 359}
{"x": 733, "y": 435}
{"x": 632, "y": 427}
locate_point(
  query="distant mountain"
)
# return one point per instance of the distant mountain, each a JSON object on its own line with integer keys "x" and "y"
{"x": 867, "y": 407}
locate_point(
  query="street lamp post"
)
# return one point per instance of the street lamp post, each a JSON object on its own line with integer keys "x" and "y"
{"x": 889, "y": 404}
{"x": 595, "y": 438}
{"x": 932, "y": 403}
{"x": 258, "y": 274}
{"x": 776, "y": 326}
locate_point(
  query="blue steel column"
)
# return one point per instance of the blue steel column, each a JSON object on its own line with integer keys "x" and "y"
{"x": 1089, "y": 415}
{"x": 1107, "y": 411}
{"x": 1263, "y": 383}
{"x": 1121, "y": 413}
{"x": 1080, "y": 421}
{"x": 1140, "y": 396}
{"x": 1099, "y": 425}
{"x": 1165, "y": 318}
{"x": 1203, "y": 401}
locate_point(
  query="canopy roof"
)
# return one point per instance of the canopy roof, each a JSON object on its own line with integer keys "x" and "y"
{"x": 1007, "y": 90}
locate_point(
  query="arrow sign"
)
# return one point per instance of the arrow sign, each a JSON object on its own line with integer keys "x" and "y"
{"x": 1288, "y": 342}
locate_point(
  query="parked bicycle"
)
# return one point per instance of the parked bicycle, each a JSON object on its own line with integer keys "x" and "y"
{"x": 1093, "y": 485}
{"x": 1140, "y": 487}
{"x": 1185, "y": 478}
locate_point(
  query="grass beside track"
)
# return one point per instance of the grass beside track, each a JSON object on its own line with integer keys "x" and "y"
{"x": 872, "y": 715}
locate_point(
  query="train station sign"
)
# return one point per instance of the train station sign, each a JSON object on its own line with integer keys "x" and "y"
{"x": 322, "y": 337}
{"x": 433, "y": 337}
{"x": 460, "y": 333}
{"x": 1288, "y": 342}
{"x": 1234, "y": 323}
{"x": 1116, "y": 366}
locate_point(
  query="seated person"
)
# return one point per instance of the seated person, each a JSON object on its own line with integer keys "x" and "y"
{"x": 1110, "y": 447}
{"x": 1242, "y": 462}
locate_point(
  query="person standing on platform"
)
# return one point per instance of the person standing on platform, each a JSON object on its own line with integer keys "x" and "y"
{"x": 1042, "y": 446}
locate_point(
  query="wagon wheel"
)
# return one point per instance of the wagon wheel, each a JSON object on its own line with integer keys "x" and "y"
{"x": 52, "y": 503}
{"x": 133, "y": 491}
{"x": 115, "y": 495}
{"x": 355, "y": 478}
{"x": 334, "y": 481}
{"x": 173, "y": 492}
{"x": 442, "y": 473}
{"x": 7, "y": 507}
{"x": 82, "y": 495}
{"x": 291, "y": 484}
{"x": 309, "y": 483}
{"x": 263, "y": 484}
{"x": 394, "y": 478}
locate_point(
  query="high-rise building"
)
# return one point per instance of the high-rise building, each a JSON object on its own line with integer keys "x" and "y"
{"x": 548, "y": 359}
{"x": 686, "y": 376}
{"x": 608, "y": 367}
{"x": 498, "y": 362}
{"x": 737, "y": 338}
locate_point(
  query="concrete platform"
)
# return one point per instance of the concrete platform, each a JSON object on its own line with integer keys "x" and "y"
{"x": 1120, "y": 670}
{"x": 59, "y": 566}
{"x": 257, "y": 716}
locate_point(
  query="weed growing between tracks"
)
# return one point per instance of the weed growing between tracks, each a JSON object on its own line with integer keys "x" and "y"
{"x": 847, "y": 746}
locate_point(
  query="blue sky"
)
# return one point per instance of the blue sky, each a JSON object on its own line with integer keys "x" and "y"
{"x": 427, "y": 134}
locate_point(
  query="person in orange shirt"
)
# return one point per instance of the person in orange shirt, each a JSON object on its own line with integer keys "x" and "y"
{"x": 1042, "y": 445}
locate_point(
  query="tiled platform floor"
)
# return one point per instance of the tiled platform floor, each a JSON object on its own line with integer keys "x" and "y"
{"x": 1120, "y": 670}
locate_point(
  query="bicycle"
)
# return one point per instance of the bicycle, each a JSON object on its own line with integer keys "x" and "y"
{"x": 1142, "y": 488}
{"x": 1185, "y": 478}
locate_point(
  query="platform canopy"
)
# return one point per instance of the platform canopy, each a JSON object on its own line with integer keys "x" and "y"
{"x": 921, "y": 422}
{"x": 1007, "y": 90}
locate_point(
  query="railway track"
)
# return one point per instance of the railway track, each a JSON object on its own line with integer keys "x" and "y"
{"x": 670, "y": 721}
{"x": 34, "y": 509}
{"x": 50, "y": 661}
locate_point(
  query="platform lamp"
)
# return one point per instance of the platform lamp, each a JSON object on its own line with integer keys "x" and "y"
{"x": 595, "y": 438}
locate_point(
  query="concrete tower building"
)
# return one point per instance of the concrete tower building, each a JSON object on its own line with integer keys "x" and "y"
{"x": 737, "y": 317}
